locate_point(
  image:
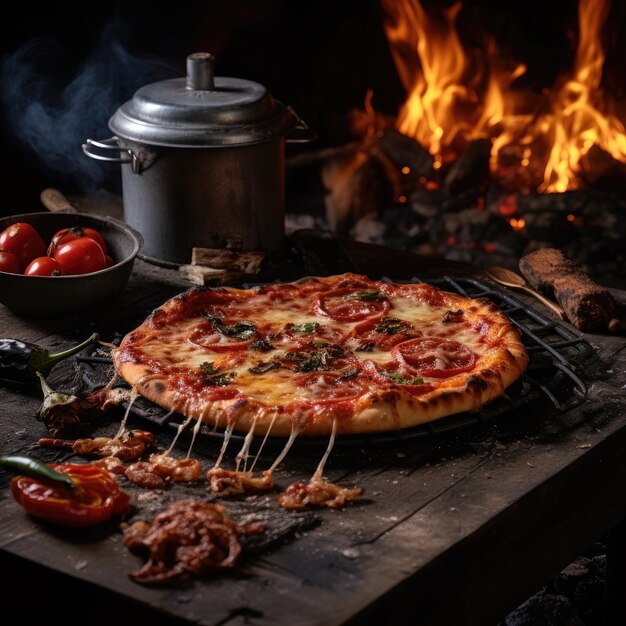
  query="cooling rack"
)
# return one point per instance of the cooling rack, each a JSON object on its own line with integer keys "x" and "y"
{"x": 556, "y": 354}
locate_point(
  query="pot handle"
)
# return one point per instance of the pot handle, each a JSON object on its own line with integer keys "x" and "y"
{"x": 301, "y": 132}
{"x": 112, "y": 143}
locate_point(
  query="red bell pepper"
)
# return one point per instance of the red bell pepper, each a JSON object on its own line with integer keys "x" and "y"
{"x": 94, "y": 498}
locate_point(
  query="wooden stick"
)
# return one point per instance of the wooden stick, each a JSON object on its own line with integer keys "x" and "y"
{"x": 248, "y": 262}
{"x": 200, "y": 275}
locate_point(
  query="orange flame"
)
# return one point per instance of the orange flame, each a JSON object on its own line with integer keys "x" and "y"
{"x": 450, "y": 101}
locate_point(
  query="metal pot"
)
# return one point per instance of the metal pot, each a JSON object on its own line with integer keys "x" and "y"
{"x": 202, "y": 162}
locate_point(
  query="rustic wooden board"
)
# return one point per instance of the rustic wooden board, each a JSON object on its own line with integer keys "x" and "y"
{"x": 455, "y": 528}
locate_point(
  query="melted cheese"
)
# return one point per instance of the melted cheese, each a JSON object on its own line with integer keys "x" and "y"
{"x": 278, "y": 387}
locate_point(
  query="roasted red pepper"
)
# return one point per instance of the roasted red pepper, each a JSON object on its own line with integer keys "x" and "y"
{"x": 94, "y": 498}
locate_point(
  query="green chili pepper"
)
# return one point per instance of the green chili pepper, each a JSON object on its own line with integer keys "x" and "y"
{"x": 20, "y": 361}
{"x": 25, "y": 466}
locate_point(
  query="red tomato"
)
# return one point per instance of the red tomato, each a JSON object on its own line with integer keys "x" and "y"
{"x": 9, "y": 262}
{"x": 23, "y": 241}
{"x": 110, "y": 261}
{"x": 65, "y": 235}
{"x": 80, "y": 256}
{"x": 43, "y": 266}
{"x": 95, "y": 498}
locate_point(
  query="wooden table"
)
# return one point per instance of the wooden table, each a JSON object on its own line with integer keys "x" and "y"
{"x": 456, "y": 529}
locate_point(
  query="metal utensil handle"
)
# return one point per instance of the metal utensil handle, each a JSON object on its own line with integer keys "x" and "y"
{"x": 301, "y": 132}
{"x": 113, "y": 143}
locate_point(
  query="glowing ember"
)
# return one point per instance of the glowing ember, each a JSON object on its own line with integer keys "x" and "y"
{"x": 517, "y": 224}
{"x": 446, "y": 106}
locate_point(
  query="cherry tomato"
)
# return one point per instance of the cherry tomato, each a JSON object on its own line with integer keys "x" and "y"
{"x": 65, "y": 235}
{"x": 95, "y": 498}
{"x": 43, "y": 266}
{"x": 9, "y": 262}
{"x": 110, "y": 261}
{"x": 23, "y": 241}
{"x": 80, "y": 256}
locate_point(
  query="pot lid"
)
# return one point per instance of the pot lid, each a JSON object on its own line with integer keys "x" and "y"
{"x": 202, "y": 110}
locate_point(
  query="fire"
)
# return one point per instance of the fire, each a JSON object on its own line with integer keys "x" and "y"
{"x": 452, "y": 99}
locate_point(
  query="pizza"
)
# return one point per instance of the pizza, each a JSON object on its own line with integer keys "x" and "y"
{"x": 341, "y": 354}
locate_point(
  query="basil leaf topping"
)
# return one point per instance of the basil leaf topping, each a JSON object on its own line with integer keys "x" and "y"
{"x": 393, "y": 326}
{"x": 366, "y": 347}
{"x": 307, "y": 327}
{"x": 262, "y": 345}
{"x": 208, "y": 368}
{"x": 214, "y": 378}
{"x": 452, "y": 316}
{"x": 397, "y": 378}
{"x": 316, "y": 360}
{"x": 367, "y": 296}
{"x": 239, "y": 330}
{"x": 348, "y": 374}
{"x": 264, "y": 366}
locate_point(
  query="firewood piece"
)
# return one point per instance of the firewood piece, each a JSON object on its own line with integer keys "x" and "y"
{"x": 201, "y": 275}
{"x": 471, "y": 169}
{"x": 587, "y": 305}
{"x": 248, "y": 262}
{"x": 358, "y": 186}
{"x": 601, "y": 171}
{"x": 405, "y": 151}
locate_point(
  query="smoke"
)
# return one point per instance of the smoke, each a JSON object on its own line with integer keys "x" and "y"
{"x": 51, "y": 104}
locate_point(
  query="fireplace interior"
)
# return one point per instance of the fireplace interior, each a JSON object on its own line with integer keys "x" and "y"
{"x": 474, "y": 131}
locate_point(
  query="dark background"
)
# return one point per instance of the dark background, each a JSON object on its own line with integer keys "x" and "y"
{"x": 65, "y": 70}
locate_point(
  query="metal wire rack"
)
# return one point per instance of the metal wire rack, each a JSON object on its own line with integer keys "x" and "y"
{"x": 556, "y": 356}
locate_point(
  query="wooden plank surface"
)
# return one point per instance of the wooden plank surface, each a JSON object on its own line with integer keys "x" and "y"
{"x": 455, "y": 528}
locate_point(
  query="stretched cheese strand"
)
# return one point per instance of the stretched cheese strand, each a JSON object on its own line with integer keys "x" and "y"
{"x": 267, "y": 434}
{"x": 228, "y": 431}
{"x": 295, "y": 431}
{"x": 243, "y": 454}
{"x": 122, "y": 429}
{"x": 179, "y": 430}
{"x": 196, "y": 430}
{"x": 317, "y": 475}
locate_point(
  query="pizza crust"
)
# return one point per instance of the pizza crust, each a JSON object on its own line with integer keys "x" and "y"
{"x": 378, "y": 410}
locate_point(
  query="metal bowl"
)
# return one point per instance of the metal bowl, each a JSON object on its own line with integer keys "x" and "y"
{"x": 54, "y": 296}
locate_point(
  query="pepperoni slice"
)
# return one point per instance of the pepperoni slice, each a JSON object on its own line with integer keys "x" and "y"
{"x": 305, "y": 332}
{"x": 384, "y": 374}
{"x": 205, "y": 335}
{"x": 385, "y": 332}
{"x": 351, "y": 304}
{"x": 319, "y": 358}
{"x": 434, "y": 357}
{"x": 325, "y": 388}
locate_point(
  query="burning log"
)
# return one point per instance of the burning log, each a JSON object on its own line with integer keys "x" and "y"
{"x": 587, "y": 305}
{"x": 387, "y": 165}
{"x": 471, "y": 170}
{"x": 406, "y": 152}
{"x": 598, "y": 169}
{"x": 358, "y": 186}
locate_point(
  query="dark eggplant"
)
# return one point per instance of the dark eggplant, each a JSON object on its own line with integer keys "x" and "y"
{"x": 20, "y": 361}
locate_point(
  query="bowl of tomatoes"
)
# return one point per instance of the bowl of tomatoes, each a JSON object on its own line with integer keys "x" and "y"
{"x": 54, "y": 264}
